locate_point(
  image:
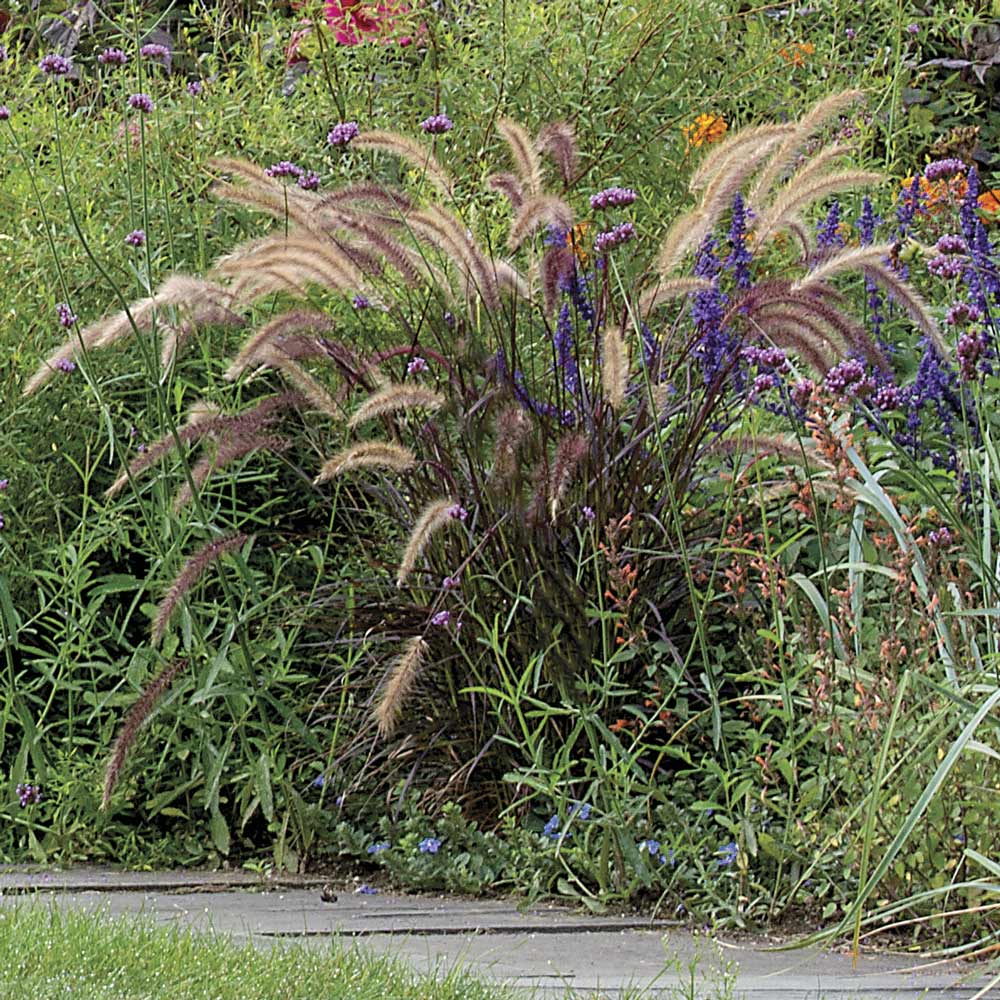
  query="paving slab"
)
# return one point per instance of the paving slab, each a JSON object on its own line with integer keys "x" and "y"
{"x": 545, "y": 948}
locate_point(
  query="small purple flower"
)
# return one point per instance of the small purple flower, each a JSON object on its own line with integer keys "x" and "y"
{"x": 614, "y": 237}
{"x": 309, "y": 181}
{"x": 588, "y": 513}
{"x": 942, "y": 536}
{"x": 727, "y": 854}
{"x": 802, "y": 391}
{"x": 365, "y": 890}
{"x": 195, "y": 88}
{"x": 55, "y": 65}
{"x": 416, "y": 366}
{"x": 155, "y": 51}
{"x": 969, "y": 350}
{"x": 112, "y": 57}
{"x": 851, "y": 34}
{"x": 3, "y": 53}
{"x": 650, "y": 846}
{"x": 4, "y": 483}
{"x": 141, "y": 102}
{"x": 441, "y": 618}
{"x": 551, "y": 829}
{"x": 940, "y": 169}
{"x": 613, "y": 197}
{"x": 318, "y": 782}
{"x": 961, "y": 313}
{"x": 951, "y": 243}
{"x": 382, "y": 845}
{"x": 29, "y": 795}
{"x": 66, "y": 315}
{"x": 946, "y": 268}
{"x": 3, "y": 523}
{"x": 342, "y": 134}
{"x": 437, "y": 124}
{"x": 283, "y": 168}
{"x": 913, "y": 29}
{"x": 4, "y": 113}
{"x": 458, "y": 512}
{"x": 65, "y": 365}
{"x": 136, "y": 238}
{"x": 360, "y": 302}
{"x": 429, "y": 845}
{"x": 449, "y": 583}
{"x": 845, "y": 378}
{"x": 580, "y": 810}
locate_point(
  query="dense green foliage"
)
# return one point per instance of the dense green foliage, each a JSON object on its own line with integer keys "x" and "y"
{"x": 761, "y": 653}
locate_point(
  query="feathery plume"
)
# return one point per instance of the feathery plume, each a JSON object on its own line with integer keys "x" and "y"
{"x": 368, "y": 193}
{"x": 394, "y": 397}
{"x": 911, "y": 301}
{"x": 732, "y": 147}
{"x": 846, "y": 260}
{"x": 136, "y": 716}
{"x": 526, "y": 162}
{"x": 370, "y": 454}
{"x": 792, "y": 200}
{"x": 188, "y": 576}
{"x": 510, "y": 278}
{"x": 295, "y": 321}
{"x": 407, "y": 149}
{"x": 614, "y": 367}
{"x": 513, "y": 425}
{"x": 195, "y": 298}
{"x": 543, "y": 208}
{"x": 784, "y": 155}
{"x": 558, "y": 141}
{"x": 433, "y": 517}
{"x": 312, "y": 389}
{"x": 509, "y": 185}
{"x": 571, "y": 451}
{"x": 227, "y": 451}
{"x": 669, "y": 288}
{"x": 761, "y": 447}
{"x": 398, "y": 686}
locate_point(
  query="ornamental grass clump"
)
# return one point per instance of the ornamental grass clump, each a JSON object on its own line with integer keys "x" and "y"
{"x": 540, "y": 428}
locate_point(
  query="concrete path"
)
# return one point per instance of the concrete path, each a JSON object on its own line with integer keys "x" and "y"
{"x": 546, "y": 948}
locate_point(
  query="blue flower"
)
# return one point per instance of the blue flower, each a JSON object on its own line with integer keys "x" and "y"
{"x": 319, "y": 781}
{"x": 551, "y": 829}
{"x": 581, "y": 810}
{"x": 727, "y": 854}
{"x": 429, "y": 845}
{"x": 650, "y": 846}
{"x": 378, "y": 848}
{"x": 365, "y": 890}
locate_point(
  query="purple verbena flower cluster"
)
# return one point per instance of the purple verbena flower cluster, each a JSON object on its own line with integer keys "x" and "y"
{"x": 343, "y": 133}
{"x": 153, "y": 50}
{"x": 141, "y": 102}
{"x": 112, "y": 57}
{"x": 416, "y": 366}
{"x": 55, "y": 65}
{"x": 66, "y": 315}
{"x": 28, "y": 795}
{"x": 437, "y": 125}
{"x": 940, "y": 169}
{"x": 613, "y": 197}
{"x": 136, "y": 238}
{"x": 614, "y": 237}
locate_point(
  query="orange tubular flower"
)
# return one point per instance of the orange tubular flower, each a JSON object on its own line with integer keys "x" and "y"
{"x": 705, "y": 130}
{"x": 796, "y": 55}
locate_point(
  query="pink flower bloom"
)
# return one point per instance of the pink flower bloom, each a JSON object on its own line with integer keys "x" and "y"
{"x": 354, "y": 21}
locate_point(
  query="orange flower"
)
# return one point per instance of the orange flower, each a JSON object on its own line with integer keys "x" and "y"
{"x": 705, "y": 130}
{"x": 989, "y": 202}
{"x": 576, "y": 240}
{"x": 796, "y": 56}
{"x": 936, "y": 193}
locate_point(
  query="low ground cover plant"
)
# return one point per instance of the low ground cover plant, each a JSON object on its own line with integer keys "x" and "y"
{"x": 466, "y": 504}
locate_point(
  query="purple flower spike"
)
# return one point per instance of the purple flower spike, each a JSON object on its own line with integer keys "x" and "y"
{"x": 136, "y": 238}
{"x": 342, "y": 134}
{"x": 141, "y": 102}
{"x": 437, "y": 124}
{"x": 55, "y": 65}
{"x": 112, "y": 57}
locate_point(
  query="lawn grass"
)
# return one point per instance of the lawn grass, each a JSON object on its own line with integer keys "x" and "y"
{"x": 47, "y": 953}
